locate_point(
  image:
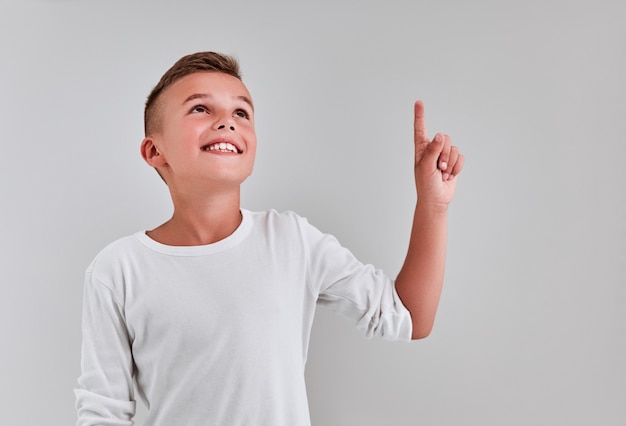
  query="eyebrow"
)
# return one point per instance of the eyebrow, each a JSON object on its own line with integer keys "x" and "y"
{"x": 205, "y": 95}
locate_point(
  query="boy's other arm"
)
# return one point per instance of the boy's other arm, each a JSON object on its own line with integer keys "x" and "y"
{"x": 105, "y": 393}
{"x": 419, "y": 283}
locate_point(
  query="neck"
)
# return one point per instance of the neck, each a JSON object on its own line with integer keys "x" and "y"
{"x": 200, "y": 221}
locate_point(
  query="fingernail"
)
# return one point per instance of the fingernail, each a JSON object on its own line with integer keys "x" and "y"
{"x": 443, "y": 165}
{"x": 445, "y": 176}
{"x": 438, "y": 138}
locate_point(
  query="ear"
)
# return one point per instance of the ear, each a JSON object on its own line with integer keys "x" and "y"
{"x": 151, "y": 154}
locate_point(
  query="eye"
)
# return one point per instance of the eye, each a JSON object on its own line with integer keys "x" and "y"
{"x": 199, "y": 108}
{"x": 241, "y": 113}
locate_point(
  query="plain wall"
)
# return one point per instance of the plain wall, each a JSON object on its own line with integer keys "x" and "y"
{"x": 532, "y": 323}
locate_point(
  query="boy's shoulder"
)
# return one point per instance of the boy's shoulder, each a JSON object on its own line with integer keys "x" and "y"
{"x": 273, "y": 215}
{"x": 119, "y": 248}
{"x": 274, "y": 222}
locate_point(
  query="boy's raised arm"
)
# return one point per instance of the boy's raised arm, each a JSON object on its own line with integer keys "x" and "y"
{"x": 437, "y": 163}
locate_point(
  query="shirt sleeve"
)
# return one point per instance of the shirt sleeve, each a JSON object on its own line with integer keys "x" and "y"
{"x": 105, "y": 392}
{"x": 358, "y": 291}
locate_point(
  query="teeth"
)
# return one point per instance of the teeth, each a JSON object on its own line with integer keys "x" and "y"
{"x": 222, "y": 146}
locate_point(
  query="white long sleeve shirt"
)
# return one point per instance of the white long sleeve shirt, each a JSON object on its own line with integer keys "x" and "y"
{"x": 218, "y": 334}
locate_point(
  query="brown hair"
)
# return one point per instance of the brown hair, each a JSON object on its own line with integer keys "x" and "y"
{"x": 189, "y": 64}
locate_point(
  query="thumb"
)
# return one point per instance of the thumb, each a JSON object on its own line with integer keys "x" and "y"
{"x": 433, "y": 150}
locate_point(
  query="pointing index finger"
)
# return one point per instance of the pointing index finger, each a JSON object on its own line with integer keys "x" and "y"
{"x": 420, "y": 134}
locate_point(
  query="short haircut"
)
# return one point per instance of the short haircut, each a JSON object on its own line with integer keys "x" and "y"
{"x": 189, "y": 64}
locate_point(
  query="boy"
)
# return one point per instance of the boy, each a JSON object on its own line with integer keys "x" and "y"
{"x": 210, "y": 313}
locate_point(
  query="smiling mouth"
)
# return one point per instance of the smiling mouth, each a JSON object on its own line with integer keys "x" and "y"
{"x": 222, "y": 147}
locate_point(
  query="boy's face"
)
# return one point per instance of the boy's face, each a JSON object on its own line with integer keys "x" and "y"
{"x": 207, "y": 135}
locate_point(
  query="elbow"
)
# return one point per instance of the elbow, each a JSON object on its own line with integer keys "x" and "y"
{"x": 419, "y": 335}
{"x": 421, "y": 331}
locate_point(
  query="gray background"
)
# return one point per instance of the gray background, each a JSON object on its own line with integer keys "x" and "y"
{"x": 532, "y": 324}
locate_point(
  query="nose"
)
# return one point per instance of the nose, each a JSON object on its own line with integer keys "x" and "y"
{"x": 223, "y": 126}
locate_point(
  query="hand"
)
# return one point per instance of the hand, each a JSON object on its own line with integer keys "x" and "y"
{"x": 437, "y": 163}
